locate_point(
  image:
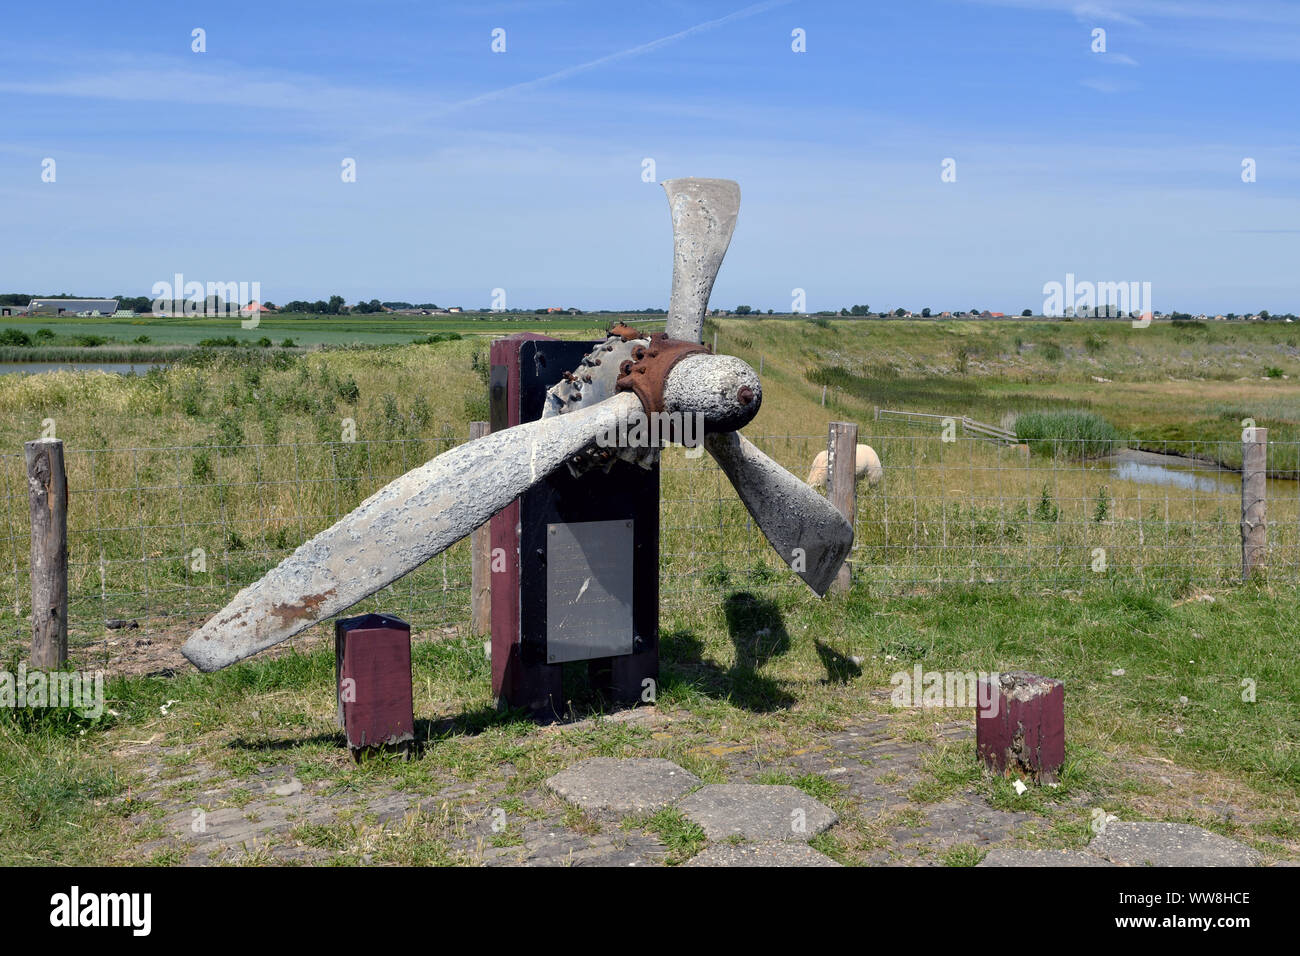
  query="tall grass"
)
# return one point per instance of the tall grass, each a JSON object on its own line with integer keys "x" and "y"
{"x": 241, "y": 453}
{"x": 1073, "y": 433}
{"x": 883, "y": 385}
{"x": 102, "y": 353}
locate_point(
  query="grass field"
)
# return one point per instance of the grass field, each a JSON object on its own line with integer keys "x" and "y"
{"x": 1155, "y": 693}
{"x": 239, "y": 452}
{"x": 307, "y": 330}
{"x": 1165, "y": 383}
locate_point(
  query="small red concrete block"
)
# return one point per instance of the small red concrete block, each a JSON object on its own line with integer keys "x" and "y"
{"x": 373, "y": 667}
{"x": 1020, "y": 725}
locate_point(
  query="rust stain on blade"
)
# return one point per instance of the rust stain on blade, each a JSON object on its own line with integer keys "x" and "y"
{"x": 307, "y": 608}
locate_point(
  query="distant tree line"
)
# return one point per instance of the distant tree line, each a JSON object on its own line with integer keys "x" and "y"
{"x": 138, "y": 303}
{"x": 337, "y": 305}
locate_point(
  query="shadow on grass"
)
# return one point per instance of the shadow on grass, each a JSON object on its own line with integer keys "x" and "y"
{"x": 468, "y": 724}
{"x": 758, "y": 633}
{"x": 839, "y": 668}
{"x": 756, "y": 629}
{"x": 286, "y": 743}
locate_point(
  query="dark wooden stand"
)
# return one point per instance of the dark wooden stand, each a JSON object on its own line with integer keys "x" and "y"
{"x": 372, "y": 667}
{"x": 523, "y": 368}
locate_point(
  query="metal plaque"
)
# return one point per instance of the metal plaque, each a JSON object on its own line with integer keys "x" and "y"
{"x": 588, "y": 590}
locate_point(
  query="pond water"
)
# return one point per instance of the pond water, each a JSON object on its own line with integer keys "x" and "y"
{"x": 119, "y": 368}
{"x": 1189, "y": 478}
{"x": 1171, "y": 471}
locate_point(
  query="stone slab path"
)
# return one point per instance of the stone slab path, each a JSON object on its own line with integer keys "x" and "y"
{"x": 757, "y": 813}
{"x": 595, "y": 812}
{"x": 760, "y": 854}
{"x": 632, "y": 785}
{"x": 1169, "y": 844}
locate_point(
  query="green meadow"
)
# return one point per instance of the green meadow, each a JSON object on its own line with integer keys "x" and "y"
{"x": 970, "y": 556}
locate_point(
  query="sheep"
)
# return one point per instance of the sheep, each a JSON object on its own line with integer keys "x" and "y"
{"x": 868, "y": 465}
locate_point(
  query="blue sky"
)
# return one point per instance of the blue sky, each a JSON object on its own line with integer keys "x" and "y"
{"x": 523, "y": 170}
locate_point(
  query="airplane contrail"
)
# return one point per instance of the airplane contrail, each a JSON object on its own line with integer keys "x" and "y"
{"x": 608, "y": 58}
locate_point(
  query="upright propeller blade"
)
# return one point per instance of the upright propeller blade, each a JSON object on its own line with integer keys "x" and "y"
{"x": 802, "y": 526}
{"x": 704, "y": 216}
{"x": 396, "y": 529}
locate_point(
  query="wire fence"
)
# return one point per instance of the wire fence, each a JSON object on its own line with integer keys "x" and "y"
{"x": 160, "y": 538}
{"x": 969, "y": 511}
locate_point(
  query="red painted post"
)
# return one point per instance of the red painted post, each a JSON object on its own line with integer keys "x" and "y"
{"x": 372, "y": 665}
{"x": 515, "y": 682}
{"x": 1020, "y": 725}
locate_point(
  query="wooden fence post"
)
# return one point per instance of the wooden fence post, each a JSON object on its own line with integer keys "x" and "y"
{"x": 480, "y": 563}
{"x": 841, "y": 482}
{"x": 47, "y": 485}
{"x": 1254, "y": 495}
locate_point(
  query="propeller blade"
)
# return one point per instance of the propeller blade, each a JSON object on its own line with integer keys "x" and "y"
{"x": 704, "y": 217}
{"x": 399, "y": 527}
{"x": 802, "y": 526}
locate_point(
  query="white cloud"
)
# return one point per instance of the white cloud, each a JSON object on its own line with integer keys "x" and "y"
{"x": 228, "y": 86}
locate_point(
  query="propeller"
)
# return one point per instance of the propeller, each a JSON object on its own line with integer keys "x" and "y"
{"x": 430, "y": 508}
{"x": 704, "y": 217}
{"x": 809, "y": 534}
{"x": 395, "y": 530}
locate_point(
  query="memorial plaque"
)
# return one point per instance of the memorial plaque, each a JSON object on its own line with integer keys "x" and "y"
{"x": 589, "y": 590}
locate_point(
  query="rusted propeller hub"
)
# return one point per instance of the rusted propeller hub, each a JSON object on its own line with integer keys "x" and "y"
{"x": 670, "y": 375}
{"x": 646, "y": 372}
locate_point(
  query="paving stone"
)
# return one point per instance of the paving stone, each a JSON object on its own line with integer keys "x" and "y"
{"x": 859, "y": 782}
{"x": 964, "y": 819}
{"x": 1169, "y": 844}
{"x": 634, "y": 785}
{"x": 760, "y": 854}
{"x": 391, "y": 809}
{"x": 757, "y": 812}
{"x": 560, "y": 847}
{"x": 1005, "y": 856}
{"x": 635, "y": 716}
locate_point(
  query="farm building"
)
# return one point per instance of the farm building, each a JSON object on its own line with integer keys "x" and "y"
{"x": 72, "y": 307}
